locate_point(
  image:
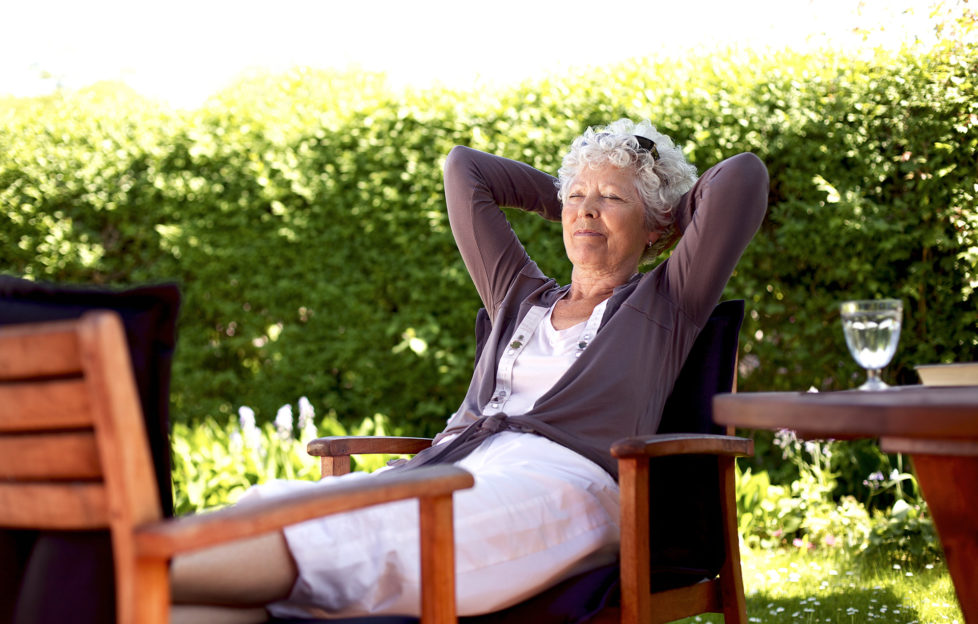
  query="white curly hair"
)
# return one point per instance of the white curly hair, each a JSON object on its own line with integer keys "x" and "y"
{"x": 662, "y": 174}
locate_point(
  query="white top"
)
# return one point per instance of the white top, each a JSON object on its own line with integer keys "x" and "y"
{"x": 531, "y": 366}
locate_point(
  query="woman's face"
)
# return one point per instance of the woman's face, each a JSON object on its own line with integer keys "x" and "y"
{"x": 604, "y": 221}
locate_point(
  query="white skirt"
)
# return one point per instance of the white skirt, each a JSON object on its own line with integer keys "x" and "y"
{"x": 538, "y": 514}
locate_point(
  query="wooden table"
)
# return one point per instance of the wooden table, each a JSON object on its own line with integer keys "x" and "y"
{"x": 936, "y": 426}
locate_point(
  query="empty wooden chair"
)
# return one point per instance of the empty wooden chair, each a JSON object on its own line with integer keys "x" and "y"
{"x": 73, "y": 456}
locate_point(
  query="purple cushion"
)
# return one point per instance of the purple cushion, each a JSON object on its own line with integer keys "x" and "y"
{"x": 575, "y": 600}
{"x": 686, "y": 544}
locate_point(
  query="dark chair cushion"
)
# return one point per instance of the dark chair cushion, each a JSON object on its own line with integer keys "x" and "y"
{"x": 367, "y": 619}
{"x": 483, "y": 327}
{"x": 685, "y": 537}
{"x": 69, "y": 577}
{"x": 575, "y": 600}
{"x": 77, "y": 568}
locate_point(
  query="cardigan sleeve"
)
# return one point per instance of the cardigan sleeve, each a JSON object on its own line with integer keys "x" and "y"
{"x": 717, "y": 218}
{"x": 476, "y": 186}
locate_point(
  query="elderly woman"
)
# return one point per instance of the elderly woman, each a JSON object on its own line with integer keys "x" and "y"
{"x": 564, "y": 372}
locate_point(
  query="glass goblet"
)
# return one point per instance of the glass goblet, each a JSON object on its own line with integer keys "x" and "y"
{"x": 872, "y": 330}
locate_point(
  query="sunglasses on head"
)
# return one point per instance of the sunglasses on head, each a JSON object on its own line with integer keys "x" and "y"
{"x": 646, "y": 144}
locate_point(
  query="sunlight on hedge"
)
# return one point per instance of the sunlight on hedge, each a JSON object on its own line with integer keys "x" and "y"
{"x": 321, "y": 192}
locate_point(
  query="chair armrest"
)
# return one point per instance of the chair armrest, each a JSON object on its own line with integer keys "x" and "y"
{"x": 166, "y": 538}
{"x": 334, "y": 451}
{"x": 661, "y": 445}
{"x": 721, "y": 594}
{"x": 337, "y": 446}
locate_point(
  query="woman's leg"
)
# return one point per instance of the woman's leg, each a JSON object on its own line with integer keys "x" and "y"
{"x": 251, "y": 572}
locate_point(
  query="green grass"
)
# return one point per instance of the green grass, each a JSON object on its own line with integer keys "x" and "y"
{"x": 802, "y": 587}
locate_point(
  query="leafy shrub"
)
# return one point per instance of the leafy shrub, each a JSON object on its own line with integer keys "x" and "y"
{"x": 807, "y": 514}
{"x": 803, "y": 512}
{"x": 903, "y": 536}
{"x": 303, "y": 215}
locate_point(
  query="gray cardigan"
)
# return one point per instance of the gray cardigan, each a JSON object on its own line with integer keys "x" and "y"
{"x": 619, "y": 384}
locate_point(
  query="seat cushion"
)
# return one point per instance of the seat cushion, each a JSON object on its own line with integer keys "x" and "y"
{"x": 575, "y": 600}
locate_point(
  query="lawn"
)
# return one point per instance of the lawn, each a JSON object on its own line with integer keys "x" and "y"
{"x": 797, "y": 586}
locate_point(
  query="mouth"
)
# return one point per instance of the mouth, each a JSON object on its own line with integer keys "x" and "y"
{"x": 587, "y": 233}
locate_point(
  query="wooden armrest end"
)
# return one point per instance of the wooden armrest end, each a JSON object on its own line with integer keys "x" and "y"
{"x": 165, "y": 538}
{"x": 338, "y": 446}
{"x": 661, "y": 445}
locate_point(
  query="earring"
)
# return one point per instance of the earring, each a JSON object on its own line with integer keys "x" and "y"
{"x": 648, "y": 245}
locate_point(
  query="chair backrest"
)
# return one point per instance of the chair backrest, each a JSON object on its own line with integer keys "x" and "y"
{"x": 686, "y": 540}
{"x": 149, "y": 315}
{"x": 710, "y": 368}
{"x": 73, "y": 449}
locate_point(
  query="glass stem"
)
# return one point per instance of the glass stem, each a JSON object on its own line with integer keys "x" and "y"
{"x": 873, "y": 375}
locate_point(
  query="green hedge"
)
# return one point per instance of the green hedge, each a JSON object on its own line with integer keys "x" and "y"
{"x": 303, "y": 215}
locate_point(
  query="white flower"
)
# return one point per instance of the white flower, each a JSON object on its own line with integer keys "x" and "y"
{"x": 307, "y": 421}
{"x": 246, "y": 417}
{"x": 306, "y": 413}
{"x": 283, "y": 422}
{"x": 250, "y": 432}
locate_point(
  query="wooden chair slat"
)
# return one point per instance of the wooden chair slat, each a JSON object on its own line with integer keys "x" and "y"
{"x": 53, "y": 505}
{"x": 68, "y": 455}
{"x": 26, "y": 352}
{"x": 44, "y": 405}
{"x": 675, "y": 604}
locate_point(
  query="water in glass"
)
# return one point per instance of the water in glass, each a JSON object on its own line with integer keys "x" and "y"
{"x": 872, "y": 331}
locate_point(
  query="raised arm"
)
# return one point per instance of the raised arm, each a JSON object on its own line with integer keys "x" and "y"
{"x": 476, "y": 186}
{"x": 717, "y": 219}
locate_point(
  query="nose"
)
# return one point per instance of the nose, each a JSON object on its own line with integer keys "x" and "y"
{"x": 588, "y": 208}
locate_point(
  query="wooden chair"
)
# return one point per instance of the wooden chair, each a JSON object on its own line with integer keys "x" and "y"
{"x": 73, "y": 456}
{"x": 684, "y": 560}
